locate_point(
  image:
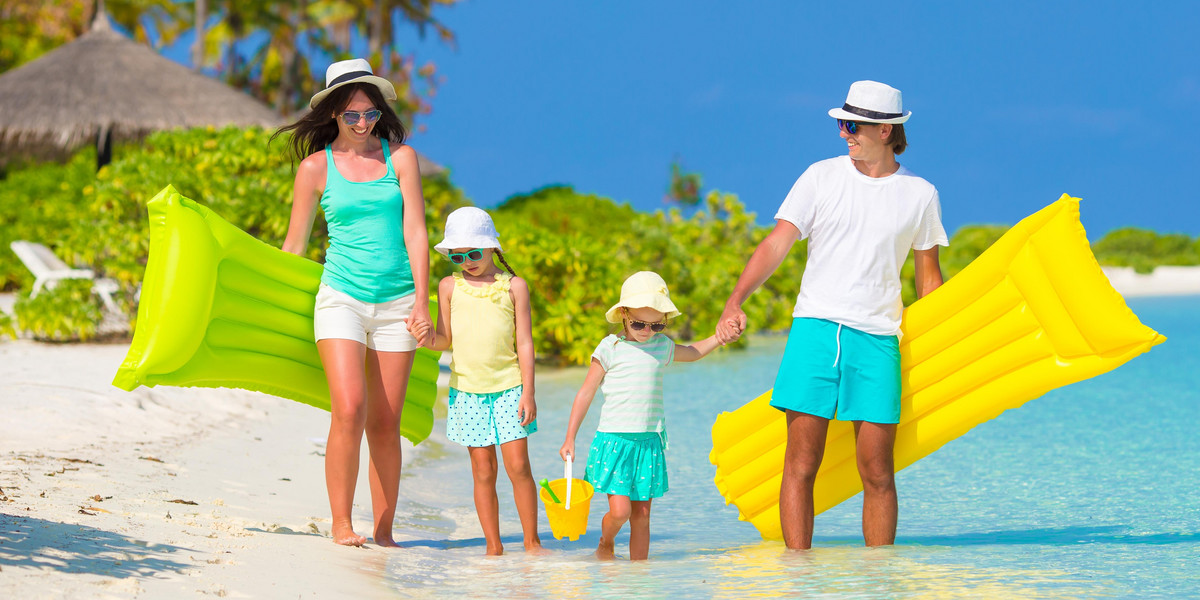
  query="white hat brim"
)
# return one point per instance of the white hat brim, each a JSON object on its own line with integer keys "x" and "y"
{"x": 385, "y": 87}
{"x": 467, "y": 241}
{"x": 653, "y": 300}
{"x": 844, "y": 115}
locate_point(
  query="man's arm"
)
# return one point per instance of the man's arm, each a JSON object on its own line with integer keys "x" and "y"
{"x": 929, "y": 271}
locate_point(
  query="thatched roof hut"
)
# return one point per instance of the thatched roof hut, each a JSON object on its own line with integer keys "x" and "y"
{"x": 104, "y": 86}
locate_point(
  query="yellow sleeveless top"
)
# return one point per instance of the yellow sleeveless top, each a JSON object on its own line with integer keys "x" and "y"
{"x": 483, "y": 350}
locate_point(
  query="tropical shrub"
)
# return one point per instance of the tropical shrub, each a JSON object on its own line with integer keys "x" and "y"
{"x": 68, "y": 312}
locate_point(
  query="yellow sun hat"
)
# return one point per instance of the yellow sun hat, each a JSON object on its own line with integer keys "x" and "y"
{"x": 644, "y": 289}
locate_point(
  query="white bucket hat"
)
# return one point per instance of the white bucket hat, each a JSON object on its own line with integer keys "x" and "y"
{"x": 644, "y": 289}
{"x": 872, "y": 102}
{"x": 469, "y": 227}
{"x": 354, "y": 70}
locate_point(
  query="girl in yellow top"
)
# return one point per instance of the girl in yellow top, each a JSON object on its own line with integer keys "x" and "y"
{"x": 484, "y": 319}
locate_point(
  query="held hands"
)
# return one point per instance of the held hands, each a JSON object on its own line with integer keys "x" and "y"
{"x": 526, "y": 409}
{"x": 420, "y": 327}
{"x": 731, "y": 324}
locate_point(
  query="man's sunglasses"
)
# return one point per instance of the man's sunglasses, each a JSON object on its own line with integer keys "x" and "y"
{"x": 459, "y": 257}
{"x": 850, "y": 127}
{"x": 640, "y": 325}
{"x": 351, "y": 117}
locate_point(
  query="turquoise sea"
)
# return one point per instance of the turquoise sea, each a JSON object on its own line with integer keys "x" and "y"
{"x": 1092, "y": 491}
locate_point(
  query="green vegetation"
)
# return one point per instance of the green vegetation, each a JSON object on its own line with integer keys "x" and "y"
{"x": 574, "y": 249}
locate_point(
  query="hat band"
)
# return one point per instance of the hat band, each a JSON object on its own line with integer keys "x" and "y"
{"x": 870, "y": 114}
{"x": 348, "y": 76}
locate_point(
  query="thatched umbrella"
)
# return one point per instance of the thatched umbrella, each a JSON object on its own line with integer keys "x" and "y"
{"x": 103, "y": 87}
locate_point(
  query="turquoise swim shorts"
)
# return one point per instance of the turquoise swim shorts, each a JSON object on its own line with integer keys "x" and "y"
{"x": 830, "y": 369}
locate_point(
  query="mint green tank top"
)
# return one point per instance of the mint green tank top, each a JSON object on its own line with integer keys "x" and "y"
{"x": 366, "y": 258}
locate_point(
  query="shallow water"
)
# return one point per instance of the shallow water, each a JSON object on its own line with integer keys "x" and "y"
{"x": 1088, "y": 492}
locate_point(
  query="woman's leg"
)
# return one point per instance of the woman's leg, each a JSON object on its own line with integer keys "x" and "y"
{"x": 344, "y": 366}
{"x": 639, "y": 530}
{"x": 387, "y": 382}
{"x": 516, "y": 464}
{"x": 483, "y": 469}
{"x": 614, "y": 520}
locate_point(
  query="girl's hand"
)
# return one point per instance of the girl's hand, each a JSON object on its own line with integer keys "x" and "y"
{"x": 526, "y": 408}
{"x": 568, "y": 449}
{"x": 420, "y": 326}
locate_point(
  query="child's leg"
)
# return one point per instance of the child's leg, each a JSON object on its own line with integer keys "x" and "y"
{"x": 639, "y": 530}
{"x": 516, "y": 464}
{"x": 614, "y": 520}
{"x": 483, "y": 468}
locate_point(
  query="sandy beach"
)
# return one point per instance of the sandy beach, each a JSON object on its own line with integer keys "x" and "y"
{"x": 167, "y": 492}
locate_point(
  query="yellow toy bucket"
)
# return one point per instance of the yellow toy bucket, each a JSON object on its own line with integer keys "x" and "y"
{"x": 567, "y": 501}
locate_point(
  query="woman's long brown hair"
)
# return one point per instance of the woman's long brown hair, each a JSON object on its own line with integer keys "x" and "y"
{"x": 317, "y": 129}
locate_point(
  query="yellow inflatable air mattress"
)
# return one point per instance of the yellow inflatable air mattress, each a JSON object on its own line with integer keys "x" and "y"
{"x": 220, "y": 308}
{"x": 1032, "y": 313}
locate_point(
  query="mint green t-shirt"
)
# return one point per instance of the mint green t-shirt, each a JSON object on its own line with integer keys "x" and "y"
{"x": 366, "y": 258}
{"x": 633, "y": 384}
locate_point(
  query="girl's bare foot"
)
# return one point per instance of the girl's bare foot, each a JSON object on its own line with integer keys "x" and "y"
{"x": 535, "y": 548}
{"x": 605, "y": 551}
{"x": 496, "y": 550}
{"x": 345, "y": 536}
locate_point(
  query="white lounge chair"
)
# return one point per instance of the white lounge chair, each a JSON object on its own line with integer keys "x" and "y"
{"x": 48, "y": 269}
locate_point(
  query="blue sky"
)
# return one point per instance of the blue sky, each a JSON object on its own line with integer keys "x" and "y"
{"x": 1013, "y": 103}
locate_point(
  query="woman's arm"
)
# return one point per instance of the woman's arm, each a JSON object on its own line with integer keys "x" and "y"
{"x": 519, "y": 290}
{"x": 416, "y": 237}
{"x": 306, "y": 196}
{"x": 579, "y": 409}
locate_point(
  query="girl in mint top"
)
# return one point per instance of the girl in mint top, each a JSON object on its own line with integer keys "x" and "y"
{"x": 370, "y": 312}
{"x": 626, "y": 459}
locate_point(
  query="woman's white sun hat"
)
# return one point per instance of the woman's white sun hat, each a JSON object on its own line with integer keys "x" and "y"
{"x": 355, "y": 70}
{"x": 469, "y": 227}
{"x": 872, "y": 102}
{"x": 644, "y": 289}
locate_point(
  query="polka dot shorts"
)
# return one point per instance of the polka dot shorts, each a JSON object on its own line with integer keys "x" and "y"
{"x": 480, "y": 420}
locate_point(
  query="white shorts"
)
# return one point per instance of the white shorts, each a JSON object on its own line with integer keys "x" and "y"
{"x": 381, "y": 326}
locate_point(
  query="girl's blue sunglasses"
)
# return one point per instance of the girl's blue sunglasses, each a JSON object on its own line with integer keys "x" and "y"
{"x": 459, "y": 257}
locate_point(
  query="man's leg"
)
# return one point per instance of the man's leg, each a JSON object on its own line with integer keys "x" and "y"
{"x": 805, "y": 447}
{"x": 874, "y": 445}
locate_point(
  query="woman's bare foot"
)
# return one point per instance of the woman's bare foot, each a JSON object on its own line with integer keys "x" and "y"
{"x": 345, "y": 536}
{"x": 606, "y": 549}
{"x": 387, "y": 542}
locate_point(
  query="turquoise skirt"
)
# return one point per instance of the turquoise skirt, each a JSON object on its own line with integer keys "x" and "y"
{"x": 627, "y": 464}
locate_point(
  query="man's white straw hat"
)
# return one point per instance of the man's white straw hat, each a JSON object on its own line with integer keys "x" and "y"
{"x": 872, "y": 102}
{"x": 644, "y": 289}
{"x": 355, "y": 70}
{"x": 469, "y": 227}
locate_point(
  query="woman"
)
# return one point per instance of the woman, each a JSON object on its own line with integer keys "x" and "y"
{"x": 371, "y": 309}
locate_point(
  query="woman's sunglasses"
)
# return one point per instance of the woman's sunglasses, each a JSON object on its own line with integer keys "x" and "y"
{"x": 850, "y": 127}
{"x": 351, "y": 117}
{"x": 459, "y": 257}
{"x": 640, "y": 325}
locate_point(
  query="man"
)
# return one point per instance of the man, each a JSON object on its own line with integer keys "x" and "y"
{"x": 861, "y": 214}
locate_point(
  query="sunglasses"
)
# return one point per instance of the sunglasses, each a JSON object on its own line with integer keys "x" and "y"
{"x": 640, "y": 325}
{"x": 351, "y": 117}
{"x": 459, "y": 257}
{"x": 850, "y": 127}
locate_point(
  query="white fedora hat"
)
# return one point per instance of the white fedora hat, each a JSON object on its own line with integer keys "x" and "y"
{"x": 469, "y": 227}
{"x": 872, "y": 102}
{"x": 355, "y": 70}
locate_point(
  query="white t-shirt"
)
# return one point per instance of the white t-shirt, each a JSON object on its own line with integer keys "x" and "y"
{"x": 860, "y": 230}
